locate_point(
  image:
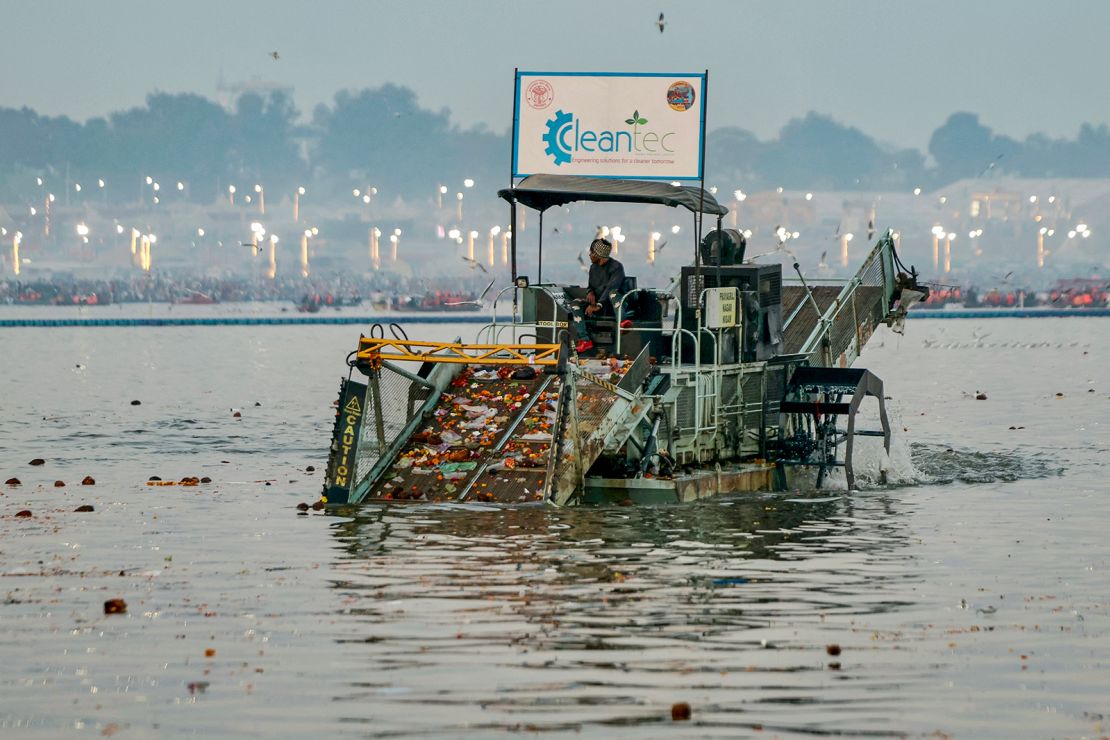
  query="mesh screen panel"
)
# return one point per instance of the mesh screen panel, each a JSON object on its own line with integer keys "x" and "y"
{"x": 391, "y": 400}
{"x": 594, "y": 403}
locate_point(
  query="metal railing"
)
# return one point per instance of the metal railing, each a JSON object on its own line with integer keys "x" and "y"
{"x": 373, "y": 350}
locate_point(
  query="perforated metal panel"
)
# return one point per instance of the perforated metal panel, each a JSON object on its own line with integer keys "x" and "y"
{"x": 752, "y": 386}
{"x": 684, "y": 410}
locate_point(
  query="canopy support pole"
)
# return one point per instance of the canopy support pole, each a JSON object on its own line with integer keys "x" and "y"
{"x": 512, "y": 250}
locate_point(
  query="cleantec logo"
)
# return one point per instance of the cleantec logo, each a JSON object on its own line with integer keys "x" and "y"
{"x": 567, "y": 136}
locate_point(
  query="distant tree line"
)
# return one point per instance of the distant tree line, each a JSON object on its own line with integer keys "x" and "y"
{"x": 382, "y": 137}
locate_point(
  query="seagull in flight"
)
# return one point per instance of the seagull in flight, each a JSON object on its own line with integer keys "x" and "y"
{"x": 475, "y": 265}
{"x": 661, "y": 23}
{"x": 582, "y": 263}
{"x": 990, "y": 165}
{"x": 275, "y": 55}
{"x": 823, "y": 264}
{"x": 660, "y": 245}
{"x": 479, "y": 301}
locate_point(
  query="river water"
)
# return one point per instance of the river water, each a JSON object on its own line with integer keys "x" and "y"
{"x": 970, "y": 598}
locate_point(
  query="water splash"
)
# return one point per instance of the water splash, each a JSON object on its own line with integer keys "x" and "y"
{"x": 939, "y": 464}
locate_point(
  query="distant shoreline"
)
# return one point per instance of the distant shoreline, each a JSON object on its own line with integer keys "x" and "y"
{"x": 445, "y": 318}
{"x": 456, "y": 318}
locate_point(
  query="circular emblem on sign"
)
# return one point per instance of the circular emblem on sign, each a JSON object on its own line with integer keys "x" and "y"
{"x": 680, "y": 96}
{"x": 539, "y": 94}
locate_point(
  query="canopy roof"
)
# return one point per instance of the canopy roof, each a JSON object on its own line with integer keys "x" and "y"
{"x": 544, "y": 191}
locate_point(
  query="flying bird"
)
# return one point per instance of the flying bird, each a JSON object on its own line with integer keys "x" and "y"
{"x": 660, "y": 245}
{"x": 1066, "y": 295}
{"x": 275, "y": 55}
{"x": 991, "y": 165}
{"x": 582, "y": 263}
{"x": 823, "y": 264}
{"x": 870, "y": 229}
{"x": 479, "y": 301}
{"x": 661, "y": 23}
{"x": 475, "y": 265}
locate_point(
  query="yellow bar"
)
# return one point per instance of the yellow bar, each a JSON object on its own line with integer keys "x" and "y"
{"x": 370, "y": 350}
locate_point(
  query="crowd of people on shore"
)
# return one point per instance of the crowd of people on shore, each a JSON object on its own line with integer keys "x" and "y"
{"x": 339, "y": 290}
{"x": 1076, "y": 293}
{"x": 387, "y": 290}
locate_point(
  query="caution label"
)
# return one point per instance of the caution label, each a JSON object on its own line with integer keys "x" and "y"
{"x": 344, "y": 445}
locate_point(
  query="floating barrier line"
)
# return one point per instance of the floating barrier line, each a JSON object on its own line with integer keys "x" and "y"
{"x": 1007, "y": 313}
{"x": 250, "y": 321}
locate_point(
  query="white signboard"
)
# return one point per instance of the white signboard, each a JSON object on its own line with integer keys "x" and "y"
{"x": 642, "y": 126}
{"x": 721, "y": 307}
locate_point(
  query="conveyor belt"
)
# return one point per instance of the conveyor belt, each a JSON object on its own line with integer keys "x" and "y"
{"x": 487, "y": 440}
{"x": 849, "y": 328}
{"x": 801, "y": 326}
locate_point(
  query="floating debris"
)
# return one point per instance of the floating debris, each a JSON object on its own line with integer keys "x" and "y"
{"x": 59, "y": 484}
{"x": 206, "y": 479}
{"x": 12, "y": 482}
{"x": 680, "y": 711}
{"x": 37, "y": 461}
{"x": 23, "y": 514}
{"x": 154, "y": 478}
{"x": 88, "y": 480}
{"x": 980, "y": 396}
{"x": 210, "y": 652}
{"x": 302, "y": 506}
{"x": 310, "y": 469}
{"x": 136, "y": 402}
{"x": 197, "y": 687}
{"x": 84, "y": 507}
{"x": 833, "y": 649}
{"x": 115, "y": 606}
{"x": 318, "y": 506}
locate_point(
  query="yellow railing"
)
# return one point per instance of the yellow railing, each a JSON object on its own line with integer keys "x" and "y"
{"x": 373, "y": 351}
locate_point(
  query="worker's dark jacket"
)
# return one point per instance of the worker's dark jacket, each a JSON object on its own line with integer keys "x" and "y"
{"x": 604, "y": 279}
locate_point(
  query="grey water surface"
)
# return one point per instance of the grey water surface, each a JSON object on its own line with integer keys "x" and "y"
{"x": 969, "y": 597}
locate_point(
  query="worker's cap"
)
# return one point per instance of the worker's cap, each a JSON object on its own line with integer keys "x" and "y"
{"x": 601, "y": 248}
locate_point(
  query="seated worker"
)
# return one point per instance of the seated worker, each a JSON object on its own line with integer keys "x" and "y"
{"x": 606, "y": 277}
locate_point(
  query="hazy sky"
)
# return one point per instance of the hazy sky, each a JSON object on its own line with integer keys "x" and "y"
{"x": 893, "y": 68}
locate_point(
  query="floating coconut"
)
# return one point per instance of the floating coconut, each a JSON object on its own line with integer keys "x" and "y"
{"x": 115, "y": 606}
